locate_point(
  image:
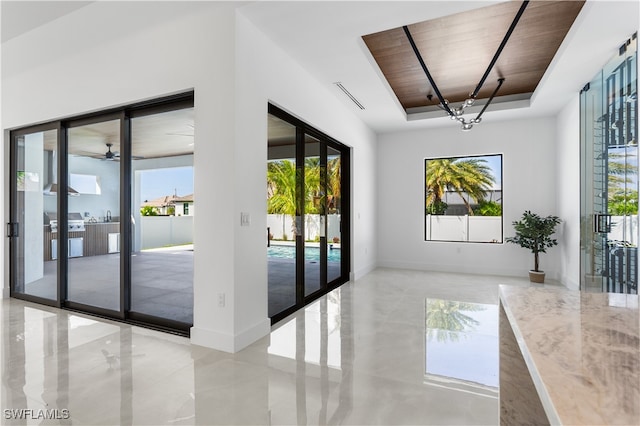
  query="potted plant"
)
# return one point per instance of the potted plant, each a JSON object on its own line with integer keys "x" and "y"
{"x": 534, "y": 232}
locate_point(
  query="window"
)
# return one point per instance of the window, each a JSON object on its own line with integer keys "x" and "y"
{"x": 463, "y": 199}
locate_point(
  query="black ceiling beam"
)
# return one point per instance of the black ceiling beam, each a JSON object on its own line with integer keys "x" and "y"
{"x": 426, "y": 71}
{"x": 502, "y": 45}
{"x": 500, "y": 81}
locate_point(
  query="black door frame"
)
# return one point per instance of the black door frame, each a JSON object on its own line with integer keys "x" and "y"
{"x": 302, "y": 129}
{"x": 124, "y": 115}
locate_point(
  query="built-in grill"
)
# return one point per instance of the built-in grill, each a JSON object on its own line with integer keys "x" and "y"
{"x": 75, "y": 222}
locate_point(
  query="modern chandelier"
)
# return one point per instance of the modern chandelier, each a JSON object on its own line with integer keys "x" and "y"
{"x": 456, "y": 113}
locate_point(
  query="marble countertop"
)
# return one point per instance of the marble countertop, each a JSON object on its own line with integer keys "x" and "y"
{"x": 582, "y": 351}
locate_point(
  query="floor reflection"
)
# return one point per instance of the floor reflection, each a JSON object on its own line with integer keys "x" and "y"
{"x": 354, "y": 356}
{"x": 461, "y": 345}
{"x": 317, "y": 340}
{"x": 320, "y": 330}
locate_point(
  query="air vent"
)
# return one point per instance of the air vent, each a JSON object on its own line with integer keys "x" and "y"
{"x": 349, "y": 95}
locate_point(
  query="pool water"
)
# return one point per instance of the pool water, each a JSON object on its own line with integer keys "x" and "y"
{"x": 310, "y": 253}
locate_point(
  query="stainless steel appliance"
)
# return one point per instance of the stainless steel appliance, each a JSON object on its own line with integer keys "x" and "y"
{"x": 74, "y": 249}
{"x": 75, "y": 224}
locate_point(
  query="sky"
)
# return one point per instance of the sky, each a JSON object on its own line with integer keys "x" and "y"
{"x": 495, "y": 162}
{"x": 157, "y": 183}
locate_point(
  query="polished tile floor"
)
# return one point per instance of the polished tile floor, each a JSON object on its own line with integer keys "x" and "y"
{"x": 161, "y": 282}
{"x": 385, "y": 349}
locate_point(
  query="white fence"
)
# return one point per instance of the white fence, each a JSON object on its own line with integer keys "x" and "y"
{"x": 280, "y": 225}
{"x": 464, "y": 228}
{"x": 161, "y": 231}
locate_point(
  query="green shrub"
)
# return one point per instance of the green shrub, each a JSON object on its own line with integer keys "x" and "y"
{"x": 488, "y": 208}
{"x": 437, "y": 207}
{"x": 148, "y": 211}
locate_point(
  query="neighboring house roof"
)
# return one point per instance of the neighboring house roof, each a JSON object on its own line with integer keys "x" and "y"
{"x": 168, "y": 200}
{"x": 184, "y": 199}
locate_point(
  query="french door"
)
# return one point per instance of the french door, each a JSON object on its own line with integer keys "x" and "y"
{"x": 96, "y": 220}
{"x": 609, "y": 176}
{"x": 307, "y": 204}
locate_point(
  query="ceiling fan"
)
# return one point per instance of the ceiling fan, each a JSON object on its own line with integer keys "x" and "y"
{"x": 110, "y": 155}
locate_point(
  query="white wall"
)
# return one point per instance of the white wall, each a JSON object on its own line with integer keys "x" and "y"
{"x": 568, "y": 193}
{"x": 529, "y": 183}
{"x": 96, "y": 205}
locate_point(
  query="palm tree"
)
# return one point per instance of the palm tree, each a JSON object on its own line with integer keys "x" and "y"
{"x": 334, "y": 183}
{"x": 446, "y": 321}
{"x": 281, "y": 190}
{"x": 313, "y": 192}
{"x": 461, "y": 175}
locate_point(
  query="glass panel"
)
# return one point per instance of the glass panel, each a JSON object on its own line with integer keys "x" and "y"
{"x": 313, "y": 213}
{"x": 163, "y": 213}
{"x": 334, "y": 214}
{"x": 36, "y": 200}
{"x": 281, "y": 215}
{"x": 463, "y": 199}
{"x": 609, "y": 181}
{"x": 94, "y": 219}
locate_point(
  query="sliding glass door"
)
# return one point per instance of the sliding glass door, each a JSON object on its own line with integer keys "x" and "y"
{"x": 283, "y": 215}
{"x": 314, "y": 239}
{"x": 34, "y": 172}
{"x": 93, "y": 213}
{"x": 88, "y": 228}
{"x": 334, "y": 214}
{"x": 307, "y": 239}
{"x": 163, "y": 211}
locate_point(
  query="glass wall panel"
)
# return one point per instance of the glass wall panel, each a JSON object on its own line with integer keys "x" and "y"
{"x": 609, "y": 179}
{"x": 163, "y": 209}
{"x": 36, "y": 200}
{"x": 334, "y": 214}
{"x": 94, "y": 215}
{"x": 314, "y": 215}
{"x": 281, "y": 215}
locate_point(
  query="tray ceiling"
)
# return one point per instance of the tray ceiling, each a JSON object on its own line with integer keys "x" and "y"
{"x": 457, "y": 50}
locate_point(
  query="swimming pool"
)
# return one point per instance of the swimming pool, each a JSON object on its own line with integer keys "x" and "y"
{"x": 310, "y": 253}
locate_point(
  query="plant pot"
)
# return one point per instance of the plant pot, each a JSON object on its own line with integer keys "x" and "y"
{"x": 536, "y": 277}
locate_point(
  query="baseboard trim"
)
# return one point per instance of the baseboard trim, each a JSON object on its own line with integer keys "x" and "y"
{"x": 362, "y": 272}
{"x": 227, "y": 342}
{"x": 454, "y": 268}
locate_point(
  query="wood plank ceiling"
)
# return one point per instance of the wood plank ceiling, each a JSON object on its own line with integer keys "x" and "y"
{"x": 166, "y": 134}
{"x": 457, "y": 50}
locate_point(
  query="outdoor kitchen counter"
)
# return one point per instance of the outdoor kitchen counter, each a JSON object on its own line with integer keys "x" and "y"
{"x": 95, "y": 238}
{"x": 568, "y": 357}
